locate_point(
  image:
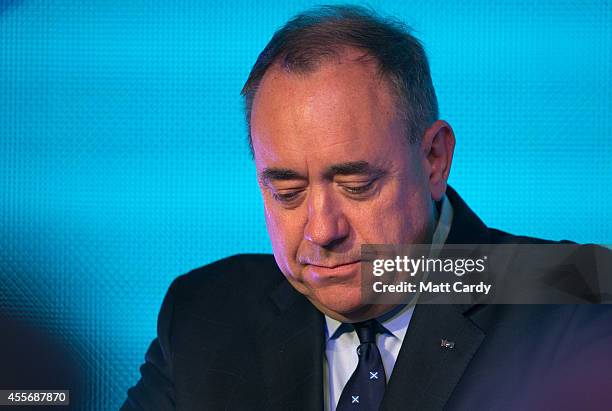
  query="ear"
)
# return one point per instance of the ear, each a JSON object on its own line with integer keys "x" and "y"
{"x": 437, "y": 149}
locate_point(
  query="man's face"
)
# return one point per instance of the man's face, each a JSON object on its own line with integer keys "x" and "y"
{"x": 336, "y": 171}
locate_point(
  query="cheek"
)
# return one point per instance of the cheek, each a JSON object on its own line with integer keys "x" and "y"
{"x": 399, "y": 216}
{"x": 285, "y": 235}
{"x": 416, "y": 218}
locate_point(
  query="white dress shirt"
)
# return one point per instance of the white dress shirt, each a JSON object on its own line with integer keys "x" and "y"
{"x": 341, "y": 340}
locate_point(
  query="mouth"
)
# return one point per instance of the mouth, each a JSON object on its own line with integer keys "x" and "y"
{"x": 333, "y": 272}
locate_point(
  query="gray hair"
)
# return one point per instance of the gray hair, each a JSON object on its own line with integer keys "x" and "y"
{"x": 320, "y": 34}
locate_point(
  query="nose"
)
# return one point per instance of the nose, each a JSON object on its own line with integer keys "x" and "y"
{"x": 327, "y": 225}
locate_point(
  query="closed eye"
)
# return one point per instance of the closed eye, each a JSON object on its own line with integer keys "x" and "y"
{"x": 286, "y": 197}
{"x": 358, "y": 189}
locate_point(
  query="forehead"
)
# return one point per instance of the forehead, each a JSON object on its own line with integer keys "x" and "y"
{"x": 341, "y": 111}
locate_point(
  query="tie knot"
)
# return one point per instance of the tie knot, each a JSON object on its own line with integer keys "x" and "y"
{"x": 367, "y": 330}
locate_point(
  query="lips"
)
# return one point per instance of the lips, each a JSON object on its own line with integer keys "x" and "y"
{"x": 333, "y": 272}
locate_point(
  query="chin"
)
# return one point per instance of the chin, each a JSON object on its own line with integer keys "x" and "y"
{"x": 338, "y": 302}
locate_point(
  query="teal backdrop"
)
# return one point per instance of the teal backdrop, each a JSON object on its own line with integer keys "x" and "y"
{"x": 123, "y": 156}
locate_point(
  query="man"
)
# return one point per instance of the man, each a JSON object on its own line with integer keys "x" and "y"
{"x": 349, "y": 150}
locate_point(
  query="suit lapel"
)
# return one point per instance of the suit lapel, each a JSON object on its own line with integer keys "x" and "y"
{"x": 292, "y": 353}
{"x": 425, "y": 373}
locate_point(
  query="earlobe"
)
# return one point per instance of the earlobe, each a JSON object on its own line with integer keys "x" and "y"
{"x": 439, "y": 143}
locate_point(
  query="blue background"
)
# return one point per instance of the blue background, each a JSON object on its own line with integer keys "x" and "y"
{"x": 123, "y": 156}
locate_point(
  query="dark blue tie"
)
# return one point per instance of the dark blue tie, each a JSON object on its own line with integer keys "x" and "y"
{"x": 366, "y": 387}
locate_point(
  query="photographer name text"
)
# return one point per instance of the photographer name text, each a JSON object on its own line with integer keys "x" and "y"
{"x": 431, "y": 287}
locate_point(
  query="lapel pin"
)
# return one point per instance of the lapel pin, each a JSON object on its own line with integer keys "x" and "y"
{"x": 444, "y": 343}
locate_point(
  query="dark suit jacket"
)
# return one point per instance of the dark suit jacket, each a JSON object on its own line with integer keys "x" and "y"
{"x": 234, "y": 335}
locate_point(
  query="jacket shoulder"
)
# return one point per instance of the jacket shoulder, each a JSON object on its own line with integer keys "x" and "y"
{"x": 204, "y": 325}
{"x": 502, "y": 237}
{"x": 230, "y": 277}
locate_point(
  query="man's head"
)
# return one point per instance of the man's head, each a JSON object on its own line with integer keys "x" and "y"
{"x": 343, "y": 126}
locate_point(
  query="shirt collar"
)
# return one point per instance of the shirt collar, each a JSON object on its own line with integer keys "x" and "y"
{"x": 395, "y": 320}
{"x": 444, "y": 222}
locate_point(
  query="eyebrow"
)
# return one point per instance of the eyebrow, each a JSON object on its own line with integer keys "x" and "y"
{"x": 352, "y": 168}
{"x": 276, "y": 173}
{"x": 343, "y": 169}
